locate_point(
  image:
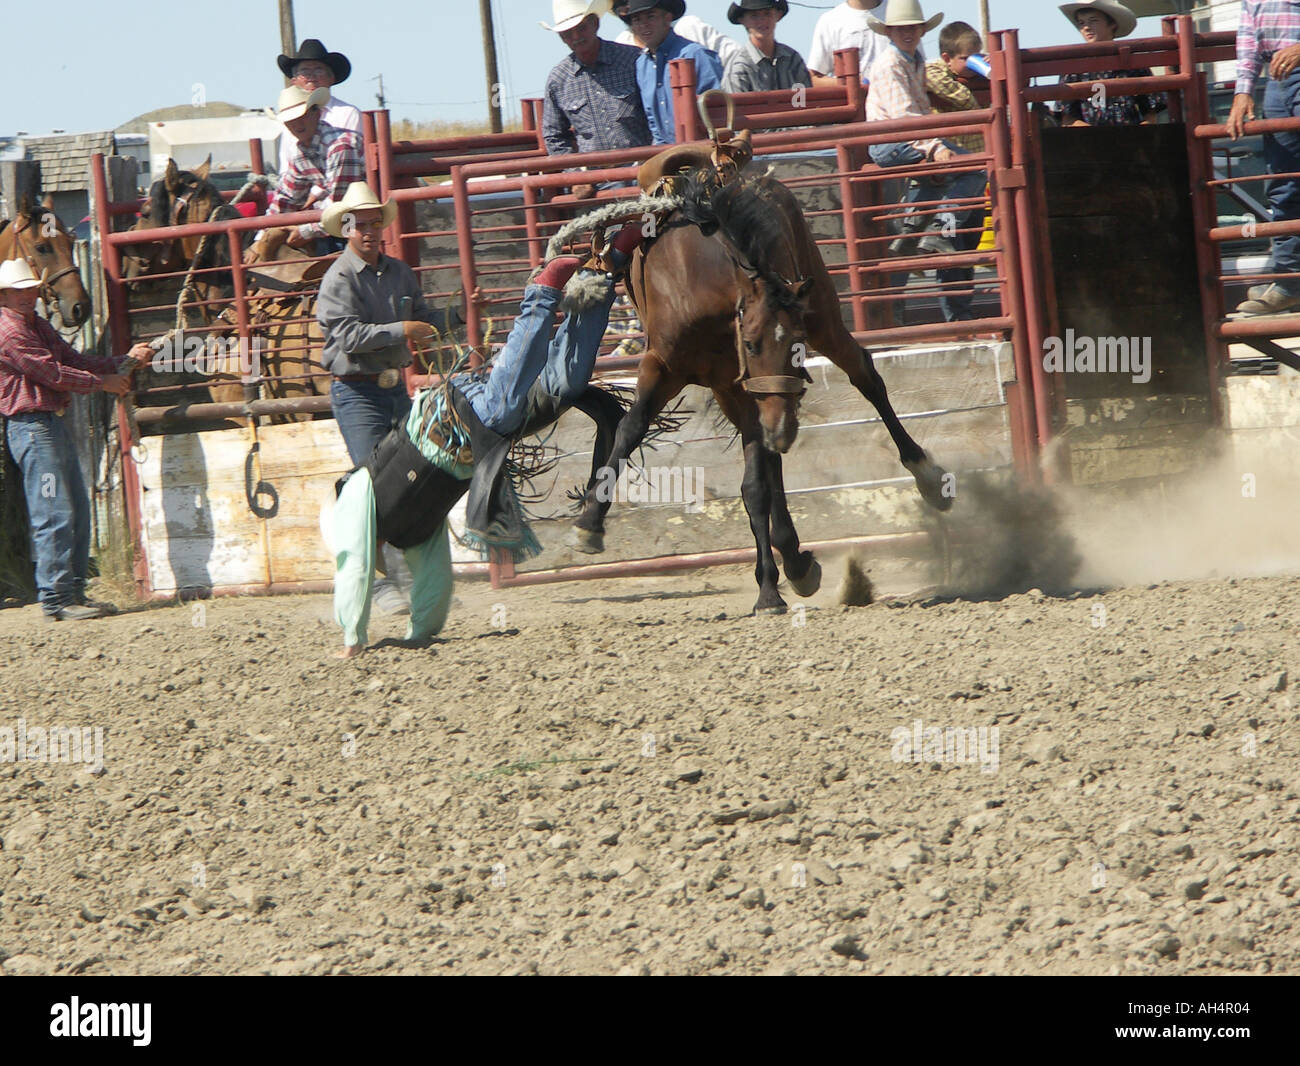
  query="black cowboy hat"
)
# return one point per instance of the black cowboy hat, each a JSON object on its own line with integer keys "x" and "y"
{"x": 733, "y": 15}
{"x": 312, "y": 49}
{"x": 628, "y": 8}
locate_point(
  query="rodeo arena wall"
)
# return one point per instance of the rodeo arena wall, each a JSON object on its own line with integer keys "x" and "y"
{"x": 225, "y": 495}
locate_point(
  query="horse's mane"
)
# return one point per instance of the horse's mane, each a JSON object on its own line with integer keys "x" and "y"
{"x": 749, "y": 220}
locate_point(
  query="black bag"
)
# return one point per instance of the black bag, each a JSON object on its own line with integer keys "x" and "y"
{"x": 412, "y": 495}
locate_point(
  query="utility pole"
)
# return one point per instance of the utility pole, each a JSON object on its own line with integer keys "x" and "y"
{"x": 984, "y": 23}
{"x": 490, "y": 60}
{"x": 380, "y": 95}
{"x": 288, "y": 38}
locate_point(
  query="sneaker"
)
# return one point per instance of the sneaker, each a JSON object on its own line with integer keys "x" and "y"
{"x": 100, "y": 605}
{"x": 74, "y": 612}
{"x": 388, "y": 598}
{"x": 903, "y": 247}
{"x": 1272, "y": 301}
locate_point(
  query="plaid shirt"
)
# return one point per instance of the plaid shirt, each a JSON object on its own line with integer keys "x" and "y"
{"x": 595, "y": 108}
{"x": 1266, "y": 26}
{"x": 1117, "y": 110}
{"x": 948, "y": 93}
{"x": 898, "y": 91}
{"x": 332, "y": 161}
{"x": 38, "y": 368}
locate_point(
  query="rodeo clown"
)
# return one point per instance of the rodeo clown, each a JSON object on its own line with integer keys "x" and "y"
{"x": 456, "y": 438}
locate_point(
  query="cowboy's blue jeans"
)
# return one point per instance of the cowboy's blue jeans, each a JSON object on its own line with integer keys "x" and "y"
{"x": 365, "y": 413}
{"x": 1282, "y": 155}
{"x": 958, "y": 187}
{"x": 58, "y": 506}
{"x": 562, "y": 365}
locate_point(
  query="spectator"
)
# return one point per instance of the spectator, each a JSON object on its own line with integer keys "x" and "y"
{"x": 651, "y": 22}
{"x": 323, "y": 156}
{"x": 958, "y": 41}
{"x": 898, "y": 91}
{"x": 38, "y": 371}
{"x": 694, "y": 28}
{"x": 763, "y": 63}
{"x": 1100, "y": 21}
{"x": 845, "y": 26}
{"x": 369, "y": 306}
{"x": 1271, "y": 28}
{"x": 311, "y": 69}
{"x": 593, "y": 101}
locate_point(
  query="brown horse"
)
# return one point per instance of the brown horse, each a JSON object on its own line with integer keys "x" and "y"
{"x": 759, "y": 297}
{"x": 38, "y": 236}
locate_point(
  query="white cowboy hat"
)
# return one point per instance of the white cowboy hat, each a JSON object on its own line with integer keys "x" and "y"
{"x": 568, "y": 13}
{"x": 904, "y": 13}
{"x": 17, "y": 274}
{"x": 1125, "y": 21}
{"x": 295, "y": 102}
{"x": 359, "y": 197}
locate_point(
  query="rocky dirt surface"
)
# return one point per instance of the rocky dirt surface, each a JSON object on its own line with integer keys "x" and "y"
{"x": 638, "y": 777}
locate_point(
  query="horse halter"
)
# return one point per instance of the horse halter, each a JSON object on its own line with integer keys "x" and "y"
{"x": 47, "y": 283}
{"x": 763, "y": 384}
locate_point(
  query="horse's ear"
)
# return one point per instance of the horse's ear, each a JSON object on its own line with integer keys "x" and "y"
{"x": 48, "y": 202}
{"x": 804, "y": 288}
{"x": 201, "y": 171}
{"x": 171, "y": 176}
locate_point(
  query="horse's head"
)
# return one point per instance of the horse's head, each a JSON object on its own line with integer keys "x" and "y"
{"x": 178, "y": 197}
{"x": 41, "y": 239}
{"x": 772, "y": 343}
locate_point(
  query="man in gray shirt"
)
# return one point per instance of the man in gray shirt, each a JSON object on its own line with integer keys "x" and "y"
{"x": 369, "y": 307}
{"x": 763, "y": 64}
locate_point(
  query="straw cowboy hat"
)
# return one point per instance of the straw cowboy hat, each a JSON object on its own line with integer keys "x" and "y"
{"x": 568, "y": 13}
{"x": 312, "y": 50}
{"x": 1125, "y": 21}
{"x": 675, "y": 8}
{"x": 904, "y": 13}
{"x": 295, "y": 102}
{"x": 736, "y": 10}
{"x": 16, "y": 274}
{"x": 359, "y": 197}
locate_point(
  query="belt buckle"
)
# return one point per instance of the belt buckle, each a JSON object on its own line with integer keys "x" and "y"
{"x": 388, "y": 379}
{"x": 61, "y": 412}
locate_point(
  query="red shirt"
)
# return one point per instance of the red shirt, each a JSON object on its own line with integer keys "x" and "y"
{"x": 38, "y": 368}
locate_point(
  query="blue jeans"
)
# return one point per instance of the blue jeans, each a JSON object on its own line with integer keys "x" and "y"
{"x": 1282, "y": 155}
{"x": 58, "y": 506}
{"x": 563, "y": 366}
{"x": 365, "y": 414}
{"x": 959, "y": 187}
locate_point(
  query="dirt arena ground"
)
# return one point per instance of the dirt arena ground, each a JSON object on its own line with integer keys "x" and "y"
{"x": 637, "y": 777}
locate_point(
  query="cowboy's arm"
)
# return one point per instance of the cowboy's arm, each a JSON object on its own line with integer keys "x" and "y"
{"x": 708, "y": 71}
{"x": 337, "y": 312}
{"x": 556, "y": 132}
{"x": 739, "y": 77}
{"x": 431, "y": 585}
{"x": 1249, "y": 61}
{"x": 343, "y": 166}
{"x": 43, "y": 366}
{"x": 354, "y": 557}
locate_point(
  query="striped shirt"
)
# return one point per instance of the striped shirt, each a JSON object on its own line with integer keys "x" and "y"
{"x": 332, "y": 161}
{"x": 1266, "y": 26}
{"x": 595, "y": 108}
{"x": 898, "y": 91}
{"x": 753, "y": 72}
{"x": 38, "y": 368}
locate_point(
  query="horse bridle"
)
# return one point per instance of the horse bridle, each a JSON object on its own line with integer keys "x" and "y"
{"x": 47, "y": 283}
{"x": 763, "y": 384}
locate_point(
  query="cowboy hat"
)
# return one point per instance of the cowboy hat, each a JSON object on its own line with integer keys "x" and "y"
{"x": 295, "y": 102}
{"x": 17, "y": 274}
{"x": 904, "y": 13}
{"x": 312, "y": 50}
{"x": 1125, "y": 21}
{"x": 359, "y": 197}
{"x": 736, "y": 10}
{"x": 569, "y": 13}
{"x": 675, "y": 8}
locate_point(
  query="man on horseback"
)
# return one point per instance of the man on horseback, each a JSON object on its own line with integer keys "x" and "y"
{"x": 323, "y": 156}
{"x": 455, "y": 438}
{"x": 38, "y": 372}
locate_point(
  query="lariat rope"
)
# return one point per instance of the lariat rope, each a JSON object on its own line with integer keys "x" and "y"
{"x": 603, "y": 216}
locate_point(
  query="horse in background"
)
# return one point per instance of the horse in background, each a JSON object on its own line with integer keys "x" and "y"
{"x": 734, "y": 295}
{"x": 37, "y": 235}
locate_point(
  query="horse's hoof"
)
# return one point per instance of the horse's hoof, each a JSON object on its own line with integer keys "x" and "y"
{"x": 808, "y": 584}
{"x": 587, "y": 541}
{"x": 937, "y": 487}
{"x": 777, "y": 608}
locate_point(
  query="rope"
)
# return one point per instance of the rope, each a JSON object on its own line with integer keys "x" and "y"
{"x": 615, "y": 212}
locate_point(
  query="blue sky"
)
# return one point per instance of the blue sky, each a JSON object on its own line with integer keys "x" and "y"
{"x": 105, "y": 64}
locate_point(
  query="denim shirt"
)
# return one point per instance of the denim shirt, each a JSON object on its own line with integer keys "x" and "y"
{"x": 656, "y": 89}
